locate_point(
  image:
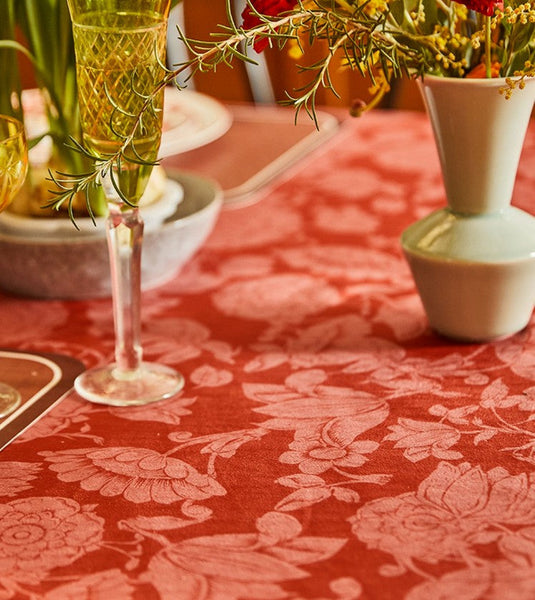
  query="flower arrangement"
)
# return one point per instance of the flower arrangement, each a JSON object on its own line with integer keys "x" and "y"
{"x": 383, "y": 39}
{"x": 388, "y": 39}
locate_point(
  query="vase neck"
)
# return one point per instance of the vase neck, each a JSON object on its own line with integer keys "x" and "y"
{"x": 479, "y": 136}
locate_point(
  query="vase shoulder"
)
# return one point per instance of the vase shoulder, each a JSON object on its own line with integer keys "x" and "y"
{"x": 506, "y": 235}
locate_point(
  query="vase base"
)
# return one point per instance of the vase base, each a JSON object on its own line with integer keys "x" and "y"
{"x": 150, "y": 383}
{"x": 462, "y": 338}
{"x": 474, "y": 302}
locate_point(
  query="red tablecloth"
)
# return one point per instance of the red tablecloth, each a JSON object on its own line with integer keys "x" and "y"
{"x": 327, "y": 445}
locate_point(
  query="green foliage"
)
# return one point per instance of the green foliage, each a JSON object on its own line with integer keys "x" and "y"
{"x": 11, "y": 86}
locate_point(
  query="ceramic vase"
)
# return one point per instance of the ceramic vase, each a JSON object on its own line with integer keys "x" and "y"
{"x": 473, "y": 261}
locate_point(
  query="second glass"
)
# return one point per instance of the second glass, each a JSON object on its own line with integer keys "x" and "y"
{"x": 120, "y": 50}
{"x": 13, "y": 169}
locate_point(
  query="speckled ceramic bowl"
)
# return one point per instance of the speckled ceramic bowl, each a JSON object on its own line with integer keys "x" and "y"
{"x": 42, "y": 261}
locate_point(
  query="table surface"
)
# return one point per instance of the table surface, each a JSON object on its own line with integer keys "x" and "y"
{"x": 327, "y": 445}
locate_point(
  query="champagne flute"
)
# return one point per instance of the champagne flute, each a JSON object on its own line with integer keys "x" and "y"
{"x": 120, "y": 50}
{"x": 13, "y": 168}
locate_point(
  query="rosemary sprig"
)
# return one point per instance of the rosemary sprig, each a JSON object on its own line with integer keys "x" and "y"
{"x": 379, "y": 38}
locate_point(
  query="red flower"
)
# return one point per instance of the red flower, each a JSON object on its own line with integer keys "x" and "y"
{"x": 270, "y": 8}
{"x": 485, "y": 7}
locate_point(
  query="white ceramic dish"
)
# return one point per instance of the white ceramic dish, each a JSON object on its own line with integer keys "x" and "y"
{"x": 77, "y": 267}
{"x": 191, "y": 120}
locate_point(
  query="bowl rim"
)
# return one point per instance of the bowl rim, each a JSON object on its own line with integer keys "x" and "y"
{"x": 178, "y": 181}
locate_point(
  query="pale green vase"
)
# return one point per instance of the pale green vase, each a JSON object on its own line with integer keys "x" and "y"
{"x": 473, "y": 262}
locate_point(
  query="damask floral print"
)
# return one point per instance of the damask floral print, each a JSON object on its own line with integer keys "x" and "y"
{"x": 327, "y": 422}
{"x": 17, "y": 477}
{"x": 347, "y": 340}
{"x": 496, "y": 414}
{"x": 280, "y": 299}
{"x": 423, "y": 439}
{"x": 515, "y": 354}
{"x": 137, "y": 474}
{"x": 106, "y": 585}
{"x": 255, "y": 228}
{"x": 329, "y": 343}
{"x": 295, "y": 417}
{"x": 316, "y": 456}
{"x": 346, "y": 263}
{"x": 239, "y": 566}
{"x": 38, "y": 534}
{"x": 208, "y": 376}
{"x": 190, "y": 340}
{"x": 167, "y": 411}
{"x": 455, "y": 512}
{"x": 304, "y": 404}
{"x": 346, "y": 218}
{"x": 69, "y": 413}
{"x": 494, "y": 581}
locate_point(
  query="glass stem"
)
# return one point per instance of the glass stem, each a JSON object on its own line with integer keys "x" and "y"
{"x": 125, "y": 236}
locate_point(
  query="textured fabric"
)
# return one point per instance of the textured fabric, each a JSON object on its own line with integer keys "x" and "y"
{"x": 327, "y": 445}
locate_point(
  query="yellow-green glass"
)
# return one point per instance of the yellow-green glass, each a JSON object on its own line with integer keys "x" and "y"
{"x": 13, "y": 159}
{"x": 78, "y": 8}
{"x": 120, "y": 50}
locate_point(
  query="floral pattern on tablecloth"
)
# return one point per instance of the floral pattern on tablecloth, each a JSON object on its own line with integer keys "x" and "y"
{"x": 327, "y": 445}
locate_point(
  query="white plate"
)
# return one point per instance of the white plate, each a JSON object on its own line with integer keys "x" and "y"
{"x": 191, "y": 120}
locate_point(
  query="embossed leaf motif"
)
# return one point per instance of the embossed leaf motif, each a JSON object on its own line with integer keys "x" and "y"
{"x": 208, "y": 376}
{"x": 234, "y": 566}
{"x": 341, "y": 432}
{"x": 495, "y": 393}
{"x": 144, "y": 525}
{"x": 291, "y": 409}
{"x": 519, "y": 547}
{"x": 330, "y": 402}
{"x": 421, "y": 439}
{"x": 138, "y": 474}
{"x": 247, "y": 565}
{"x": 15, "y": 477}
{"x": 275, "y": 527}
{"x": 457, "y": 491}
{"x": 105, "y": 584}
{"x": 267, "y": 393}
{"x": 226, "y": 445}
{"x": 454, "y": 509}
{"x": 495, "y": 581}
{"x": 232, "y": 575}
{"x": 304, "y": 550}
{"x": 301, "y": 480}
{"x": 303, "y": 498}
{"x": 306, "y": 381}
{"x": 168, "y": 411}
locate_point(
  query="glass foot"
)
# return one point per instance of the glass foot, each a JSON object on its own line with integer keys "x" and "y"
{"x": 108, "y": 385}
{"x": 9, "y": 399}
